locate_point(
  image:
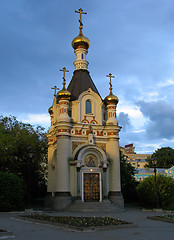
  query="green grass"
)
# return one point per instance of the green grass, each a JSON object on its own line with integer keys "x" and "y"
{"x": 79, "y": 221}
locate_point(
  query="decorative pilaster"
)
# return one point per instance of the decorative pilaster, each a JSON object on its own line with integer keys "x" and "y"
{"x": 78, "y": 183}
{"x": 113, "y": 150}
{"x": 62, "y": 194}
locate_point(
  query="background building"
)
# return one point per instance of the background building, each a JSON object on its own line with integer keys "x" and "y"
{"x": 135, "y": 159}
{"x": 138, "y": 161}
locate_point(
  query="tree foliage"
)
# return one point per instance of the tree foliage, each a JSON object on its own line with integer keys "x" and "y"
{"x": 12, "y": 190}
{"x": 165, "y": 189}
{"x": 128, "y": 182}
{"x": 164, "y": 157}
{"x": 23, "y": 151}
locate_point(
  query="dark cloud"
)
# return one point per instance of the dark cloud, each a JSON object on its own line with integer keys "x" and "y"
{"x": 124, "y": 121}
{"x": 131, "y": 39}
{"x": 161, "y": 119}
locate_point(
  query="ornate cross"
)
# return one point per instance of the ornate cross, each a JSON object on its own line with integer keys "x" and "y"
{"x": 64, "y": 80}
{"x": 110, "y": 76}
{"x": 81, "y": 12}
{"x": 55, "y": 88}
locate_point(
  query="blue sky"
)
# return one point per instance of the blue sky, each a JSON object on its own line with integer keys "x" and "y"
{"x": 134, "y": 40}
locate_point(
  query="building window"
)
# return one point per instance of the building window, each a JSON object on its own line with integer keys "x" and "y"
{"x": 88, "y": 106}
{"x": 82, "y": 55}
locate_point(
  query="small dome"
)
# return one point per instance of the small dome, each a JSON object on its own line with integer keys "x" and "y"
{"x": 111, "y": 99}
{"x": 50, "y": 110}
{"x": 63, "y": 94}
{"x": 80, "y": 42}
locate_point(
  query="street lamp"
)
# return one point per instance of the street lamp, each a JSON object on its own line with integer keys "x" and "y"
{"x": 30, "y": 151}
{"x": 154, "y": 162}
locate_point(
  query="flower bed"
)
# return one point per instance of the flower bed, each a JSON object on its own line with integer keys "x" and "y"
{"x": 79, "y": 221}
{"x": 165, "y": 218}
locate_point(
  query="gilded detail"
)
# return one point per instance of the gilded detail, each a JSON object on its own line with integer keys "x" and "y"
{"x": 102, "y": 146}
{"x": 90, "y": 161}
{"x": 76, "y": 144}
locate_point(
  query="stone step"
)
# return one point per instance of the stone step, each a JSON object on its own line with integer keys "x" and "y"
{"x": 105, "y": 206}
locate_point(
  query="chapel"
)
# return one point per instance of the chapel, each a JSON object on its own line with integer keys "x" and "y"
{"x": 83, "y": 140}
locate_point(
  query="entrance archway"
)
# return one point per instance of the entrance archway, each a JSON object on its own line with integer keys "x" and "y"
{"x": 91, "y": 159}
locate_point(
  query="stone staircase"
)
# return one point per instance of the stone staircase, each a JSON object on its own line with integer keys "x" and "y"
{"x": 104, "y": 206}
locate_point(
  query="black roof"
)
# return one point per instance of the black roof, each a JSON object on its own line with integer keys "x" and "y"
{"x": 80, "y": 82}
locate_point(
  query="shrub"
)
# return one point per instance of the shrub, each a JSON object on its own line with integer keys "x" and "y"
{"x": 11, "y": 192}
{"x": 165, "y": 189}
{"x": 128, "y": 182}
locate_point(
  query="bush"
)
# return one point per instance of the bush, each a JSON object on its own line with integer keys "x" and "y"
{"x": 128, "y": 182}
{"x": 165, "y": 188}
{"x": 12, "y": 189}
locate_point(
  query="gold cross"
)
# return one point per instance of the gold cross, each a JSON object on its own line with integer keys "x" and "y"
{"x": 110, "y": 76}
{"x": 64, "y": 80}
{"x": 81, "y": 12}
{"x": 55, "y": 88}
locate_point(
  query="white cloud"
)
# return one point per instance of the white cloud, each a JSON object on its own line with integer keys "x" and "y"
{"x": 168, "y": 82}
{"x": 132, "y": 111}
{"x": 135, "y": 115}
{"x": 168, "y": 140}
{"x": 148, "y": 147}
{"x": 139, "y": 131}
{"x": 153, "y": 94}
{"x": 36, "y": 119}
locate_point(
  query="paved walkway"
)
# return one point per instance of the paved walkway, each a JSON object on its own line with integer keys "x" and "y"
{"x": 146, "y": 229}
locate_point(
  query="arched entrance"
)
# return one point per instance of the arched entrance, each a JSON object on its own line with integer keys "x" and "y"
{"x": 91, "y": 187}
{"x": 91, "y": 180}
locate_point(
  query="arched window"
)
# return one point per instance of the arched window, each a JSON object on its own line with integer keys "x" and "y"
{"x": 82, "y": 55}
{"x": 88, "y": 106}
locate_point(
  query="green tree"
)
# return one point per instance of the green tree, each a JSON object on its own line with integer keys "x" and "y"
{"x": 147, "y": 192}
{"x": 12, "y": 190}
{"x": 128, "y": 182}
{"x": 164, "y": 157}
{"x": 23, "y": 151}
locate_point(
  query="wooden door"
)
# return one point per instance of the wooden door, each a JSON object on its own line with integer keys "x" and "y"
{"x": 91, "y": 187}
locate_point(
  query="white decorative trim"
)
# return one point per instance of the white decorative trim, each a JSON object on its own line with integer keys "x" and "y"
{"x": 81, "y": 62}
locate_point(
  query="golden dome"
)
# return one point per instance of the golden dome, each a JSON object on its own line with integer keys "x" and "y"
{"x": 50, "y": 110}
{"x": 80, "y": 42}
{"x": 111, "y": 99}
{"x": 63, "y": 94}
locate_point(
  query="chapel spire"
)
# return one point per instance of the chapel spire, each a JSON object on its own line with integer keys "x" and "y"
{"x": 110, "y": 76}
{"x": 111, "y": 103}
{"x": 64, "y": 93}
{"x": 80, "y": 20}
{"x": 81, "y": 45}
{"x": 64, "y": 80}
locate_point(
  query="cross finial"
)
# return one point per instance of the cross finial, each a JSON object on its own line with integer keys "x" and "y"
{"x": 55, "y": 88}
{"x": 64, "y": 80}
{"x": 110, "y": 76}
{"x": 80, "y": 21}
